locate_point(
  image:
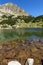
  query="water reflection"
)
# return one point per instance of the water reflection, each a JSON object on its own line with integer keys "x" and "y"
{"x": 24, "y": 33}
{"x": 35, "y": 37}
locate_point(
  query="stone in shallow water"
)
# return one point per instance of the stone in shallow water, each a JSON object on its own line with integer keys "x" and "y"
{"x": 14, "y": 63}
{"x": 29, "y": 61}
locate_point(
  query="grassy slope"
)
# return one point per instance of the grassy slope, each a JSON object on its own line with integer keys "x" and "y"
{"x": 30, "y": 25}
{"x": 23, "y": 21}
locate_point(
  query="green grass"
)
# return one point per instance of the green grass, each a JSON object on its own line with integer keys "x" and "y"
{"x": 30, "y": 25}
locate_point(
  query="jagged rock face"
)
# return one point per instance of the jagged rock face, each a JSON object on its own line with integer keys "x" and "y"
{"x": 10, "y": 8}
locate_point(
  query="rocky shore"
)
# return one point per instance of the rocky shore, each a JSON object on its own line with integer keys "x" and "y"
{"x": 21, "y": 50}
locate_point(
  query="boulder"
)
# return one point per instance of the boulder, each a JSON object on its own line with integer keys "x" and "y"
{"x": 14, "y": 63}
{"x": 29, "y": 61}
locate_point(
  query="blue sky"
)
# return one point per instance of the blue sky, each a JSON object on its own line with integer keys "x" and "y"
{"x": 33, "y": 7}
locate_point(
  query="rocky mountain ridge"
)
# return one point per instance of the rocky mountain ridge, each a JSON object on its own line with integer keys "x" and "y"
{"x": 11, "y": 9}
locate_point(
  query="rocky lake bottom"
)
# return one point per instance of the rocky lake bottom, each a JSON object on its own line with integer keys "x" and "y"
{"x": 21, "y": 45}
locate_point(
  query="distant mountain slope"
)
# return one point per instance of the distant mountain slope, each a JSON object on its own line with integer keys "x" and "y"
{"x": 11, "y": 14}
{"x": 38, "y": 19}
{"x": 10, "y": 8}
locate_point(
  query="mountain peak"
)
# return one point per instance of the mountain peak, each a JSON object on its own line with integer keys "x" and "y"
{"x": 12, "y": 9}
{"x": 9, "y": 3}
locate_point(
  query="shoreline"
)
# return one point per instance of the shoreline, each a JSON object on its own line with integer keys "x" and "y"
{"x": 24, "y": 28}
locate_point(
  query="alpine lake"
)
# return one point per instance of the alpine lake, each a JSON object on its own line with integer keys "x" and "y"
{"x": 21, "y": 34}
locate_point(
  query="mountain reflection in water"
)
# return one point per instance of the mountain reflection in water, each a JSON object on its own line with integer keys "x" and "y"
{"x": 22, "y": 33}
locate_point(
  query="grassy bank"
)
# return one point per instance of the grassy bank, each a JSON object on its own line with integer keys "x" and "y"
{"x": 21, "y": 21}
{"x": 30, "y": 25}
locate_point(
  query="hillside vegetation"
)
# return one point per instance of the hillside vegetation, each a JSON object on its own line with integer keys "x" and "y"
{"x": 21, "y": 21}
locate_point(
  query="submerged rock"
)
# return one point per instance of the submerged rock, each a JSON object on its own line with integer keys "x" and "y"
{"x": 14, "y": 63}
{"x": 20, "y": 51}
{"x": 29, "y": 61}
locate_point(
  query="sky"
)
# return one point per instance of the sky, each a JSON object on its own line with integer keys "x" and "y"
{"x": 32, "y": 7}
